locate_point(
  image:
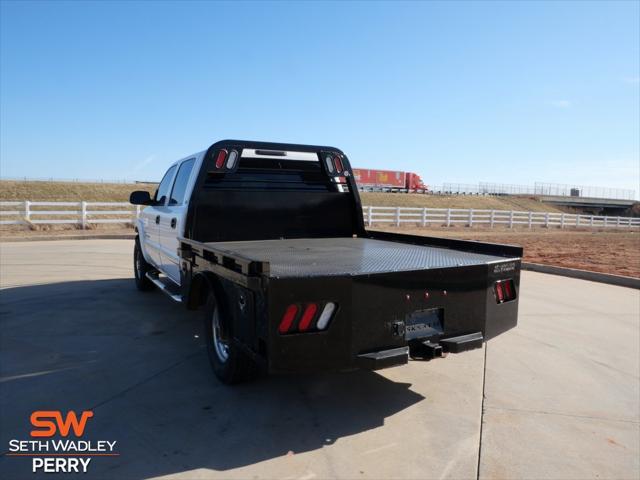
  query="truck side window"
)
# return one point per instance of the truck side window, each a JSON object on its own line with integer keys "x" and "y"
{"x": 165, "y": 186}
{"x": 180, "y": 185}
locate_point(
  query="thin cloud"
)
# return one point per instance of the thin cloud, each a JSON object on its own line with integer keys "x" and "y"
{"x": 140, "y": 165}
{"x": 631, "y": 80}
{"x": 560, "y": 103}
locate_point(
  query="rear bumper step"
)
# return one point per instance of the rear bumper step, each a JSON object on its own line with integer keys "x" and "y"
{"x": 462, "y": 343}
{"x": 384, "y": 358}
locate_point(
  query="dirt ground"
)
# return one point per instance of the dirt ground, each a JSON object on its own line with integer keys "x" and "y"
{"x": 616, "y": 252}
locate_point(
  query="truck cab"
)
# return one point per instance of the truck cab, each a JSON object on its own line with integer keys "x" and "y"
{"x": 162, "y": 221}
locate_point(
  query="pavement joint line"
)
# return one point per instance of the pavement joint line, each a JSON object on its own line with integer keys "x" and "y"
{"x": 143, "y": 381}
{"x": 484, "y": 382}
{"x": 560, "y": 414}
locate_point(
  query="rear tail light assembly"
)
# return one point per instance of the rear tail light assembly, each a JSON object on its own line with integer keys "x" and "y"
{"x": 505, "y": 291}
{"x": 225, "y": 160}
{"x": 334, "y": 165}
{"x": 306, "y": 317}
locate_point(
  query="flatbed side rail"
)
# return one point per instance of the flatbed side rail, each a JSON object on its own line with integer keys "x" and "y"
{"x": 230, "y": 265}
{"x": 507, "y": 251}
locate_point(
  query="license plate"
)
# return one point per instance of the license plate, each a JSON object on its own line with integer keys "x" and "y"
{"x": 424, "y": 323}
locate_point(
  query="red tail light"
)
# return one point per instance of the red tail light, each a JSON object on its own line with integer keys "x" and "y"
{"x": 505, "y": 291}
{"x": 338, "y": 164}
{"x": 506, "y": 286}
{"x": 307, "y": 317}
{"x": 288, "y": 318}
{"x": 222, "y": 156}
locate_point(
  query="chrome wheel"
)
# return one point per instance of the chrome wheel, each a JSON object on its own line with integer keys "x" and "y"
{"x": 219, "y": 343}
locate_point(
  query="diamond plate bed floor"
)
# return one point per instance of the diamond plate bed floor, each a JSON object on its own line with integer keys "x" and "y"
{"x": 342, "y": 256}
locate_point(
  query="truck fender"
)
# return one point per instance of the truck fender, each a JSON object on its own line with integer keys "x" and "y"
{"x": 139, "y": 229}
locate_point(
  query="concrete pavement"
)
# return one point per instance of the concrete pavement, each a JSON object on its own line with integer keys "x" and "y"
{"x": 561, "y": 393}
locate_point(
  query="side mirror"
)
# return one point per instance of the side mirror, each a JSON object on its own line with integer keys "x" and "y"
{"x": 140, "y": 197}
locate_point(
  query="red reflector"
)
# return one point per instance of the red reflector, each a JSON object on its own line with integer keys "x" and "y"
{"x": 507, "y": 290}
{"x": 222, "y": 156}
{"x": 288, "y": 318}
{"x": 338, "y": 163}
{"x": 499, "y": 292}
{"x": 307, "y": 317}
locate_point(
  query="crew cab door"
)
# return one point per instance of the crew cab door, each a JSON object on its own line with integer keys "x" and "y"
{"x": 172, "y": 218}
{"x": 151, "y": 219}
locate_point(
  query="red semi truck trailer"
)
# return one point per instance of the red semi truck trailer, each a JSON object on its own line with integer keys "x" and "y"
{"x": 394, "y": 180}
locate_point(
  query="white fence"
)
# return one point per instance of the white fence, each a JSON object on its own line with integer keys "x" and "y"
{"x": 84, "y": 214}
{"x": 71, "y": 213}
{"x": 425, "y": 217}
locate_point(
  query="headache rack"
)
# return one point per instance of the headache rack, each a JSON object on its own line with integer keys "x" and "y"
{"x": 259, "y": 191}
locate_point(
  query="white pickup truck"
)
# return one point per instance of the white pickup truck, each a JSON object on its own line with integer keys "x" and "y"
{"x": 270, "y": 239}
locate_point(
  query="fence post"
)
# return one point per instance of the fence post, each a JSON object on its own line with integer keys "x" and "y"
{"x": 530, "y": 219}
{"x": 397, "y": 216}
{"x": 370, "y": 215}
{"x": 27, "y": 210}
{"x": 471, "y": 217}
{"x": 511, "y": 219}
{"x": 591, "y": 221}
{"x": 492, "y": 219}
{"x": 577, "y": 219}
{"x": 617, "y": 222}
{"x": 562, "y": 220}
{"x": 546, "y": 220}
{"x": 448, "y": 217}
{"x": 424, "y": 217}
{"x": 83, "y": 208}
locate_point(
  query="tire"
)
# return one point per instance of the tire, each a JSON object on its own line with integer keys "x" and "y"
{"x": 140, "y": 269}
{"x": 227, "y": 361}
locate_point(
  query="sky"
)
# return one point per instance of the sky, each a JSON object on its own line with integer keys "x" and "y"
{"x": 509, "y": 92}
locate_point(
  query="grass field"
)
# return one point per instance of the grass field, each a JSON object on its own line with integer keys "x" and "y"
{"x": 69, "y": 191}
{"x": 119, "y": 192}
{"x": 455, "y": 201}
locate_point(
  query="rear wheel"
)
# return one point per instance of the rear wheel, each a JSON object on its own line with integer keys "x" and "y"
{"x": 228, "y": 362}
{"x": 140, "y": 269}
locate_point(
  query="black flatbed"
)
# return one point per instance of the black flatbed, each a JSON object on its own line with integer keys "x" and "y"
{"x": 274, "y": 247}
{"x": 312, "y": 257}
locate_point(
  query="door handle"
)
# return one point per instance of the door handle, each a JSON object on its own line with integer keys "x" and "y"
{"x": 173, "y": 222}
{"x": 157, "y": 219}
